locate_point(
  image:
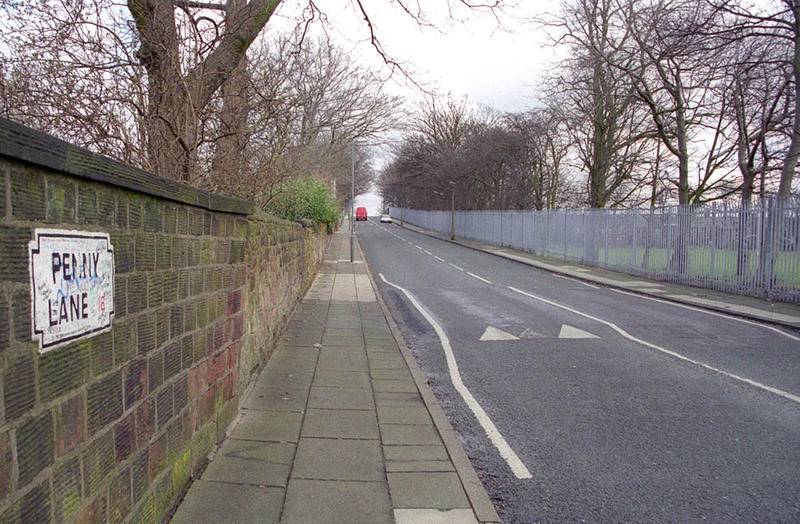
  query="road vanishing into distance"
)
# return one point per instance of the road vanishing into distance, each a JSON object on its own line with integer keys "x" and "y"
{"x": 581, "y": 403}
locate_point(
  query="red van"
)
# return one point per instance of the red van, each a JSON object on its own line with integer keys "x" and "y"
{"x": 361, "y": 213}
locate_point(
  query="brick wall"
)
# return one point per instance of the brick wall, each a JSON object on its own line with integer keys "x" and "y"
{"x": 111, "y": 427}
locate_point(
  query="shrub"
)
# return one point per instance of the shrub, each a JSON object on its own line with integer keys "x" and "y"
{"x": 305, "y": 198}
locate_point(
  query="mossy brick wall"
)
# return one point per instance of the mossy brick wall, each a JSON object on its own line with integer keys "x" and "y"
{"x": 111, "y": 428}
{"x": 273, "y": 248}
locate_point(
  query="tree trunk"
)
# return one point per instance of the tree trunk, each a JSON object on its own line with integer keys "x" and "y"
{"x": 793, "y": 154}
{"x": 176, "y": 98}
{"x": 227, "y": 162}
{"x": 680, "y": 257}
{"x": 171, "y": 126}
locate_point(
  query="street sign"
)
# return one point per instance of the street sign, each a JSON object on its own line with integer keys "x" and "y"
{"x": 72, "y": 285}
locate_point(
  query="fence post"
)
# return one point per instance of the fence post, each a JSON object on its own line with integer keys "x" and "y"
{"x": 547, "y": 234}
{"x": 633, "y": 214}
{"x": 714, "y": 241}
{"x": 583, "y": 226}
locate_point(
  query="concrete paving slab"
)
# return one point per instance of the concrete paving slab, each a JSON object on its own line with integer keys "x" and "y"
{"x": 277, "y": 377}
{"x": 344, "y": 332}
{"x": 391, "y": 374}
{"x": 342, "y": 379}
{"x": 415, "y": 453}
{"x": 326, "y": 501}
{"x": 389, "y": 398}
{"x": 401, "y": 434}
{"x": 334, "y": 459}
{"x": 383, "y": 351}
{"x": 269, "y": 426}
{"x": 309, "y": 353}
{"x": 300, "y": 340}
{"x": 386, "y": 362}
{"x": 426, "y": 490}
{"x": 394, "y": 386}
{"x": 276, "y": 399}
{"x": 378, "y": 340}
{"x": 340, "y": 424}
{"x": 434, "y": 516}
{"x": 343, "y": 361}
{"x": 270, "y": 452}
{"x": 246, "y": 471}
{"x": 340, "y": 398}
{"x": 419, "y": 466}
{"x": 290, "y": 363}
{"x": 209, "y": 501}
{"x": 404, "y": 415}
{"x": 343, "y": 340}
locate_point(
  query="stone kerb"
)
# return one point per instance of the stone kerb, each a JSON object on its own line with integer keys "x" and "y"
{"x": 112, "y": 426}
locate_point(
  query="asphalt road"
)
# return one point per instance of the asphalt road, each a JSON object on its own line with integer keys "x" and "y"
{"x": 620, "y": 408}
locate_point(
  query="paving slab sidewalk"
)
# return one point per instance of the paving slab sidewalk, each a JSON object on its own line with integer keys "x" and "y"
{"x": 778, "y": 313}
{"x": 340, "y": 426}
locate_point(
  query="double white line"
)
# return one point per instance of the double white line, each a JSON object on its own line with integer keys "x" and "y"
{"x": 511, "y": 458}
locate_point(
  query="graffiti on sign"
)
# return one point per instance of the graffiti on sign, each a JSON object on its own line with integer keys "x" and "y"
{"x": 72, "y": 285}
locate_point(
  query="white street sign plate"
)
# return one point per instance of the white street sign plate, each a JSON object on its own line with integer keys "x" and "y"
{"x": 72, "y": 285}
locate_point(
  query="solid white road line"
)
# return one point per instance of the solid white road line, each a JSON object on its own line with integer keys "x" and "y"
{"x": 776, "y": 391}
{"x": 455, "y": 266}
{"x": 709, "y": 312}
{"x": 511, "y": 458}
{"x": 473, "y": 275}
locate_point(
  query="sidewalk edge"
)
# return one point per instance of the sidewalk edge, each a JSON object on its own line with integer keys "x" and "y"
{"x": 481, "y": 504}
{"x": 604, "y": 283}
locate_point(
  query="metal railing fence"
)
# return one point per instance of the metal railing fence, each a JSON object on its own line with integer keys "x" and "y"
{"x": 746, "y": 250}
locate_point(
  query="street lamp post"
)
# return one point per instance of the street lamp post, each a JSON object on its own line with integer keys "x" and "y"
{"x": 452, "y": 210}
{"x": 352, "y": 196}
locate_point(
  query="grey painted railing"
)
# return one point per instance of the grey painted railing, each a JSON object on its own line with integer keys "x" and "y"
{"x": 752, "y": 251}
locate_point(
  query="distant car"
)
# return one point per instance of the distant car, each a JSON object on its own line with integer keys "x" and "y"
{"x": 361, "y": 213}
{"x": 386, "y": 218}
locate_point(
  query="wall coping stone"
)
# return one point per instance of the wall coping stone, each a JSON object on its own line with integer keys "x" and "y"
{"x": 23, "y": 143}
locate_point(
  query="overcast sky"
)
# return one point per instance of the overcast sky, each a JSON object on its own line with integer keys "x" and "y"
{"x": 466, "y": 53}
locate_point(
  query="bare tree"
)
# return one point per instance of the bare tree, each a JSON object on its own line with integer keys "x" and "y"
{"x": 541, "y": 159}
{"x": 763, "y": 46}
{"x": 307, "y": 106}
{"x": 68, "y": 68}
{"x": 478, "y": 159}
{"x": 607, "y": 126}
{"x": 178, "y": 54}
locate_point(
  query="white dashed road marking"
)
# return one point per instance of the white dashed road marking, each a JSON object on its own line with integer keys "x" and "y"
{"x": 473, "y": 275}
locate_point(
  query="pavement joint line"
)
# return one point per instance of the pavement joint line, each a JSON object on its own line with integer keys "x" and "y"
{"x": 482, "y": 506}
{"x": 625, "y": 334}
{"x": 494, "y": 435}
{"x": 257, "y": 484}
